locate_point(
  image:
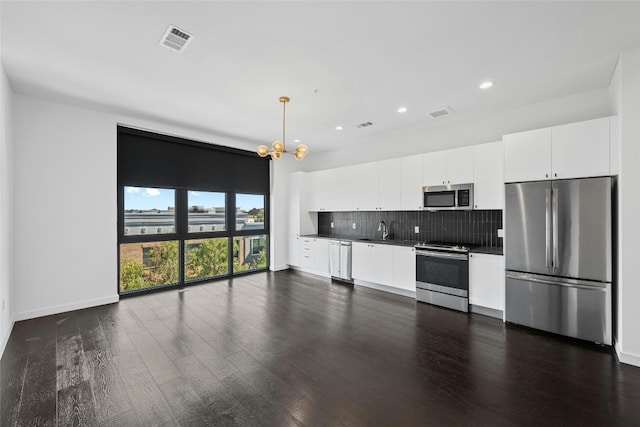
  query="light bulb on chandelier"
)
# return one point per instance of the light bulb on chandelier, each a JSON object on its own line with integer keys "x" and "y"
{"x": 278, "y": 147}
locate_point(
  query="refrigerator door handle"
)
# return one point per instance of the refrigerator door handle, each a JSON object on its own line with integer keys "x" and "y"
{"x": 547, "y": 227}
{"x": 552, "y": 280}
{"x": 554, "y": 204}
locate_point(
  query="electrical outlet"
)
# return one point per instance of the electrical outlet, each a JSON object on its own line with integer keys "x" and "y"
{"x": 500, "y": 232}
{"x": 331, "y": 224}
{"x": 353, "y": 225}
{"x": 416, "y": 229}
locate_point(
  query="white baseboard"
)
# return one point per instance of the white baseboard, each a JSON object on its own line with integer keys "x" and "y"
{"x": 279, "y": 268}
{"x": 629, "y": 359}
{"x": 304, "y": 270}
{"x": 64, "y": 308}
{"x": 5, "y": 339}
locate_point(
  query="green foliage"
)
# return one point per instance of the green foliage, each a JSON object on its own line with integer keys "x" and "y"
{"x": 132, "y": 276}
{"x": 208, "y": 259}
{"x": 165, "y": 263}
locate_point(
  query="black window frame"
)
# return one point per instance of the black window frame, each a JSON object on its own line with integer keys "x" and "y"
{"x": 182, "y": 234}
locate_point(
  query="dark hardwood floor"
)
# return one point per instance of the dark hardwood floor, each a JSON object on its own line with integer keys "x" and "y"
{"x": 280, "y": 349}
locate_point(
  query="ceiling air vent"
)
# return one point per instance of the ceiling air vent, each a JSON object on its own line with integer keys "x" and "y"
{"x": 445, "y": 111}
{"x": 364, "y": 125}
{"x": 175, "y": 39}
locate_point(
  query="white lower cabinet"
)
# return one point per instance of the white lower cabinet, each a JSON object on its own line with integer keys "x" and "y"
{"x": 294, "y": 251}
{"x": 321, "y": 255}
{"x": 385, "y": 264}
{"x": 404, "y": 268}
{"x": 314, "y": 255}
{"x": 486, "y": 281}
{"x": 372, "y": 263}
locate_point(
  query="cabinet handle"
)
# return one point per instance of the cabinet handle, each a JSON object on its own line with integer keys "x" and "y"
{"x": 555, "y": 174}
{"x": 476, "y": 206}
{"x": 470, "y": 255}
{"x": 443, "y": 182}
{"x": 448, "y": 182}
{"x": 546, "y": 175}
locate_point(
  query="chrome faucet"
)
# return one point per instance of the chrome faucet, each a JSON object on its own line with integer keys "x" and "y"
{"x": 383, "y": 227}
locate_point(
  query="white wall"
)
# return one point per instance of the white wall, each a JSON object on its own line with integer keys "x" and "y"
{"x": 65, "y": 204}
{"x": 65, "y": 208}
{"x": 625, "y": 98}
{"x": 6, "y": 209}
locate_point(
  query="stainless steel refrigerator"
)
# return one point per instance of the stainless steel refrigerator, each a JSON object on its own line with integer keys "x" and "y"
{"x": 558, "y": 256}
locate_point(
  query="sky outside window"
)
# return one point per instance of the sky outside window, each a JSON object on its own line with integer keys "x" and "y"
{"x": 206, "y": 199}
{"x": 140, "y": 198}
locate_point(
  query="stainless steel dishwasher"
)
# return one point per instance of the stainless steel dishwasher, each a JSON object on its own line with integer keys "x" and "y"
{"x": 340, "y": 260}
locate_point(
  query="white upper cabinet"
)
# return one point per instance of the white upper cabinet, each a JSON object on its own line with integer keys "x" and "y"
{"x": 460, "y": 165}
{"x": 575, "y": 150}
{"x": 368, "y": 186}
{"x": 434, "y": 168}
{"x": 390, "y": 184}
{"x": 488, "y": 176}
{"x": 448, "y": 167}
{"x": 527, "y": 155}
{"x": 580, "y": 149}
{"x": 323, "y": 190}
{"x": 347, "y": 188}
{"x": 411, "y": 183}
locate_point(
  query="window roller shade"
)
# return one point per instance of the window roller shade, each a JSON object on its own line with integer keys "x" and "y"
{"x": 154, "y": 160}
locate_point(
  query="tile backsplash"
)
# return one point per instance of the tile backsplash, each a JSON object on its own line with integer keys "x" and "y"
{"x": 477, "y": 227}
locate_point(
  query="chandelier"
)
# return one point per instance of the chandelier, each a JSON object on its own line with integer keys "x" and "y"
{"x": 278, "y": 146}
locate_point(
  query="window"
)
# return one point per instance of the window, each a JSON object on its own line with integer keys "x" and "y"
{"x": 207, "y": 211}
{"x": 249, "y": 212}
{"x": 182, "y": 222}
{"x": 206, "y": 258}
{"x": 149, "y": 211}
{"x": 144, "y": 266}
{"x": 249, "y": 253}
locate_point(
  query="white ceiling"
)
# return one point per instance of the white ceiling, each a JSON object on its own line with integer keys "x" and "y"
{"x": 342, "y": 63}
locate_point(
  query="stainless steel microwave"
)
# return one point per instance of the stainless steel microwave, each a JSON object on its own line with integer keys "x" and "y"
{"x": 448, "y": 197}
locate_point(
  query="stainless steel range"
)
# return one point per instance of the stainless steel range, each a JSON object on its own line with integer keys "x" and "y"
{"x": 442, "y": 275}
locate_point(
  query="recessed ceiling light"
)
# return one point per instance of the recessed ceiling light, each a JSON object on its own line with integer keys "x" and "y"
{"x": 402, "y": 110}
{"x": 338, "y": 127}
{"x": 296, "y": 140}
{"x": 486, "y": 85}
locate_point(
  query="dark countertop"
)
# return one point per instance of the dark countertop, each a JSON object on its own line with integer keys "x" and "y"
{"x": 410, "y": 243}
{"x": 489, "y": 250}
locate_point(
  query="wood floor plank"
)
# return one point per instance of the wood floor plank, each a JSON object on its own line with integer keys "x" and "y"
{"x": 144, "y": 395}
{"x": 38, "y": 399}
{"x": 160, "y": 366}
{"x": 187, "y": 406}
{"x": 75, "y": 406}
{"x": 289, "y": 348}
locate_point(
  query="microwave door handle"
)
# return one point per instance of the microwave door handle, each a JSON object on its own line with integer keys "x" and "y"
{"x": 554, "y": 204}
{"x": 547, "y": 228}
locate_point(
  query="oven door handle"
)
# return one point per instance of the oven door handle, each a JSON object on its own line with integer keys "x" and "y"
{"x": 447, "y": 255}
